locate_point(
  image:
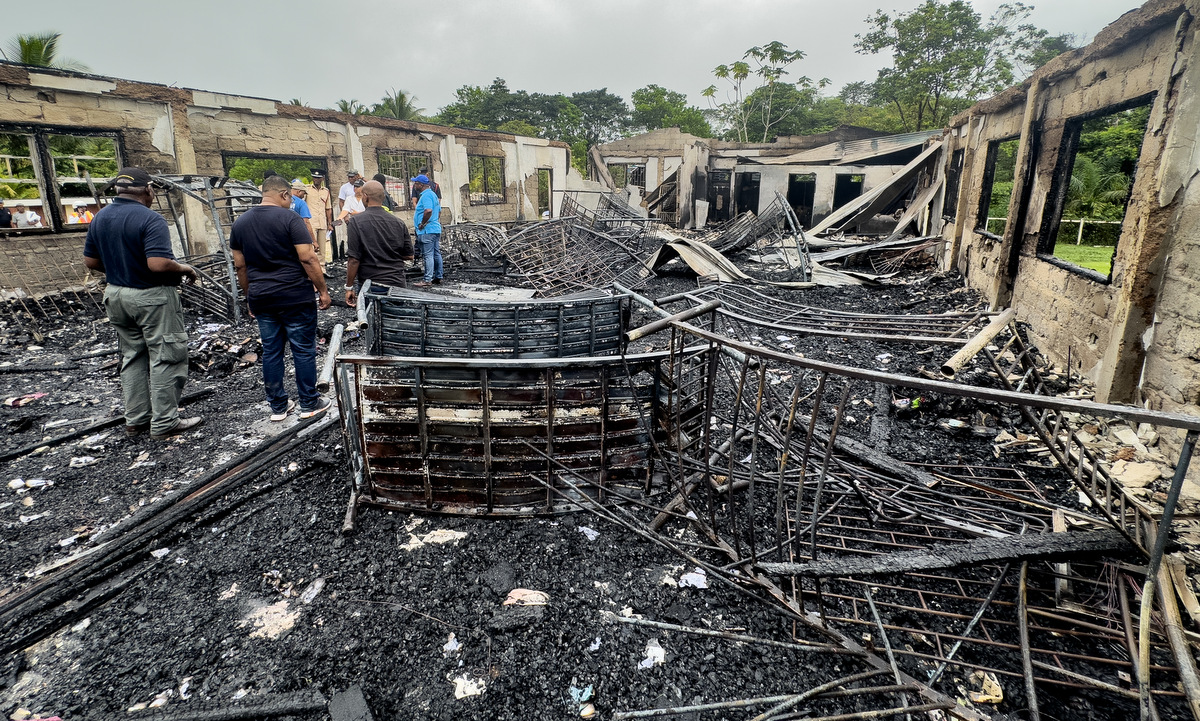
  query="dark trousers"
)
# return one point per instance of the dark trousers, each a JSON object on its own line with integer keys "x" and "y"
{"x": 297, "y": 326}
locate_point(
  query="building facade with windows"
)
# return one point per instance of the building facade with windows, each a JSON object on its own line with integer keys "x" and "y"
{"x": 64, "y": 134}
{"x": 1074, "y": 198}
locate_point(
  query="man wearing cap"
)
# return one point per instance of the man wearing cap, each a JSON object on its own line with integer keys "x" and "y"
{"x": 378, "y": 244}
{"x": 131, "y": 245}
{"x": 299, "y": 206}
{"x": 346, "y": 192}
{"x": 322, "y": 212}
{"x": 277, "y": 269}
{"x": 427, "y": 221}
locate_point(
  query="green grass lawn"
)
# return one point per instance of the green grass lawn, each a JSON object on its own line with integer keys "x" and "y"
{"x": 1093, "y": 257}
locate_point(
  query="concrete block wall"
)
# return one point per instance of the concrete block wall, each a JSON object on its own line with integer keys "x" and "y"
{"x": 1103, "y": 325}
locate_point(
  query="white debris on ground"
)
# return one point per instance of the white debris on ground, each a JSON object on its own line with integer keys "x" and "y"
{"x": 655, "y": 654}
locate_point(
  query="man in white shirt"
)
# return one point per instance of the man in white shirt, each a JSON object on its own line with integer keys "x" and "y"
{"x": 26, "y": 218}
{"x": 337, "y": 248}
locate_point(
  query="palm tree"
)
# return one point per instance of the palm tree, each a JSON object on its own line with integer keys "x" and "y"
{"x": 40, "y": 50}
{"x": 1094, "y": 193}
{"x": 398, "y": 104}
{"x": 351, "y": 106}
{"x": 298, "y": 101}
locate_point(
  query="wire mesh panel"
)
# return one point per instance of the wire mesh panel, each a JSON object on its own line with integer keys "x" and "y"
{"x": 411, "y": 323}
{"x": 485, "y": 437}
{"x": 562, "y": 256}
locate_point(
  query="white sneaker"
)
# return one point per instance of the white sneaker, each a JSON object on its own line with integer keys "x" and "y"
{"x": 280, "y": 417}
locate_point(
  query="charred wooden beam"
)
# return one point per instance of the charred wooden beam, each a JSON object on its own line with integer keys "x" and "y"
{"x": 1035, "y": 546}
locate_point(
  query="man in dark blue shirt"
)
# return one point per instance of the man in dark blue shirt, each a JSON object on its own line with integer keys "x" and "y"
{"x": 278, "y": 269}
{"x": 131, "y": 245}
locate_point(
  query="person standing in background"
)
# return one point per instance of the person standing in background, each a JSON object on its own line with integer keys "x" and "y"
{"x": 428, "y": 225}
{"x": 5, "y": 216}
{"x": 319, "y": 203}
{"x": 345, "y": 193}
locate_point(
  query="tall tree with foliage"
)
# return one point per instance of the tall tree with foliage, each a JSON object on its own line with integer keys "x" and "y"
{"x": 603, "y": 116}
{"x": 944, "y": 56}
{"x": 657, "y": 107}
{"x": 41, "y": 50}
{"x": 399, "y": 105}
{"x": 758, "y": 93}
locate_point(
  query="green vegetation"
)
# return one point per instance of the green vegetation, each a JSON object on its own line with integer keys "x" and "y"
{"x": 41, "y": 50}
{"x": 253, "y": 169}
{"x": 1095, "y": 257}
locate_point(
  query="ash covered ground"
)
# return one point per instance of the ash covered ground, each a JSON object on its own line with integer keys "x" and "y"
{"x": 260, "y": 595}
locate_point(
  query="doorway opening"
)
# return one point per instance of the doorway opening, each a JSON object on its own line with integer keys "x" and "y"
{"x": 801, "y": 191}
{"x": 846, "y": 188}
{"x": 747, "y": 193}
{"x": 544, "y": 192}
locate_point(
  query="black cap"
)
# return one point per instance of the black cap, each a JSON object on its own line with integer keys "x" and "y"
{"x": 316, "y": 173}
{"x": 359, "y": 183}
{"x": 130, "y": 178}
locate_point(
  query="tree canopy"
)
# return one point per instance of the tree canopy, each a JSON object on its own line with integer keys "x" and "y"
{"x": 656, "y": 107}
{"x": 40, "y": 49}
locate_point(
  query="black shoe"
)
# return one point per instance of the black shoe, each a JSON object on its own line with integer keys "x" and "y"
{"x": 437, "y": 281}
{"x": 135, "y": 431}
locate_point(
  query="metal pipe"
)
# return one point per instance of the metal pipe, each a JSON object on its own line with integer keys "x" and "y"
{"x": 1156, "y": 556}
{"x": 976, "y": 344}
{"x": 361, "y": 304}
{"x": 646, "y": 302}
{"x": 666, "y": 321}
{"x": 335, "y": 346}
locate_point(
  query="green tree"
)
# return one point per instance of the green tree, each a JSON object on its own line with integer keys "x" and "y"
{"x": 520, "y": 127}
{"x": 298, "y": 101}
{"x": 944, "y": 56}
{"x": 603, "y": 116}
{"x": 399, "y": 105}
{"x": 40, "y": 49}
{"x": 1044, "y": 49}
{"x": 1094, "y": 192}
{"x": 656, "y": 107}
{"x": 767, "y": 104}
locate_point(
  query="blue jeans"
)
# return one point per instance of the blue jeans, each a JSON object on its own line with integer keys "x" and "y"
{"x": 431, "y": 251}
{"x": 297, "y": 325}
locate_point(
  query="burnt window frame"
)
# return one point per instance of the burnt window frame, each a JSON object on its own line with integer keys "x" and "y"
{"x": 633, "y": 171}
{"x": 405, "y": 155}
{"x": 51, "y": 196}
{"x": 987, "y": 184}
{"x": 953, "y": 184}
{"x": 503, "y": 200}
{"x": 1060, "y": 185}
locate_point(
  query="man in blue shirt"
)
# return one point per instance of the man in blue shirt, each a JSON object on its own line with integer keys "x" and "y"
{"x": 427, "y": 221}
{"x": 131, "y": 245}
{"x": 300, "y": 207}
{"x": 278, "y": 269}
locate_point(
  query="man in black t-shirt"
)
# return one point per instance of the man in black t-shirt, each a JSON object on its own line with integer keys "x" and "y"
{"x": 378, "y": 244}
{"x": 5, "y": 216}
{"x": 131, "y": 245}
{"x": 278, "y": 269}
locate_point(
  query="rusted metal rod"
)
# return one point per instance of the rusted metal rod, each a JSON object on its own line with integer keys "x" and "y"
{"x": 798, "y": 699}
{"x": 1026, "y": 658}
{"x": 611, "y": 617}
{"x": 977, "y": 343}
{"x": 665, "y": 322}
{"x": 1180, "y": 647}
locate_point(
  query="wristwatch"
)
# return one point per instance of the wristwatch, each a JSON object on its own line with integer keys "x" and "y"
{"x": 349, "y": 287}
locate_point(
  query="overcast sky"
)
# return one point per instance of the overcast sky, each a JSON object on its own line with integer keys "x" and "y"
{"x": 323, "y": 51}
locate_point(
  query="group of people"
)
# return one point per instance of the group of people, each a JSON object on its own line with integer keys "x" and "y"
{"x": 277, "y": 252}
{"x": 22, "y": 217}
{"x": 19, "y": 217}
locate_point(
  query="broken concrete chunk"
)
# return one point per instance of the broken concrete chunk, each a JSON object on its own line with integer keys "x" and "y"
{"x": 350, "y": 705}
{"x": 1135, "y": 475}
{"x": 466, "y": 685}
{"x": 526, "y": 597}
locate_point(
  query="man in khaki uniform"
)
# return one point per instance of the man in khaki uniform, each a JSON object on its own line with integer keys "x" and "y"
{"x": 321, "y": 207}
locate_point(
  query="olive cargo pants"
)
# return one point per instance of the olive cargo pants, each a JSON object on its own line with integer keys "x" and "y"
{"x": 154, "y": 356}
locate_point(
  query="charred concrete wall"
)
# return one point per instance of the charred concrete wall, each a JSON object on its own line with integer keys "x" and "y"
{"x": 172, "y": 130}
{"x": 1136, "y": 332}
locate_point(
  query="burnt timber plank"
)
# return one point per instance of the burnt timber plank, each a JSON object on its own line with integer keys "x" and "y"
{"x": 1035, "y": 546}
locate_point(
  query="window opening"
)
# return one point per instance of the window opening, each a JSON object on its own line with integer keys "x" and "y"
{"x": 846, "y": 188}
{"x": 44, "y": 177}
{"x": 626, "y": 174}
{"x": 487, "y": 185}
{"x": 1091, "y": 187}
{"x": 544, "y": 192}
{"x": 252, "y": 168}
{"x": 953, "y": 181}
{"x": 995, "y": 192}
{"x": 399, "y": 167}
{"x": 801, "y": 192}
